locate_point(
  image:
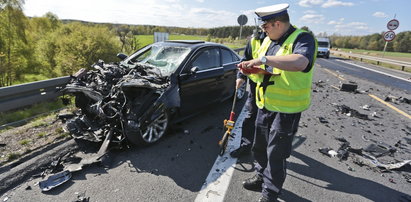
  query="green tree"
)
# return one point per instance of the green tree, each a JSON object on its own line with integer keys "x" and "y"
{"x": 13, "y": 42}
{"x": 79, "y": 46}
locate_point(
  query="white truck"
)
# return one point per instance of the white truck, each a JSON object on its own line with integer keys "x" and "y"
{"x": 324, "y": 46}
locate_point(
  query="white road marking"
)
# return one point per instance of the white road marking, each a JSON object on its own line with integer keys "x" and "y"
{"x": 215, "y": 187}
{"x": 375, "y": 70}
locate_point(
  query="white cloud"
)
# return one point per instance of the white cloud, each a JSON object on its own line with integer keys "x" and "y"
{"x": 380, "y": 14}
{"x": 312, "y": 18}
{"x": 339, "y": 22}
{"x": 201, "y": 1}
{"x": 334, "y": 3}
{"x": 354, "y": 28}
{"x": 310, "y": 12}
{"x": 309, "y": 3}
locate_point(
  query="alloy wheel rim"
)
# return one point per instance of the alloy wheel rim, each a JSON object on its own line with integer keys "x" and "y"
{"x": 156, "y": 129}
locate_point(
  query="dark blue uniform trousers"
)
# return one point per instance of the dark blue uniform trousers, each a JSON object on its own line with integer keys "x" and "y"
{"x": 272, "y": 146}
{"x": 248, "y": 127}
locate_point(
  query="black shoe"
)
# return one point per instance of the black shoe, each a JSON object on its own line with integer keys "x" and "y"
{"x": 241, "y": 151}
{"x": 265, "y": 199}
{"x": 254, "y": 184}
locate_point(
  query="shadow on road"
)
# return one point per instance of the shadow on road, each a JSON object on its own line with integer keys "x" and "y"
{"x": 185, "y": 155}
{"x": 342, "y": 182}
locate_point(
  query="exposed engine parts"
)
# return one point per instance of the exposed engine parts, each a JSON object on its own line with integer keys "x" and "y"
{"x": 114, "y": 98}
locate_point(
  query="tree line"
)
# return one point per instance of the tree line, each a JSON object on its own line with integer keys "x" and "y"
{"x": 401, "y": 43}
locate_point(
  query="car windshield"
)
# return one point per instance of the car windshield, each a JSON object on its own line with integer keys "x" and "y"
{"x": 165, "y": 58}
{"x": 323, "y": 44}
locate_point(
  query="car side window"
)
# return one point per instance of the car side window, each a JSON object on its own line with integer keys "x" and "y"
{"x": 227, "y": 56}
{"x": 207, "y": 59}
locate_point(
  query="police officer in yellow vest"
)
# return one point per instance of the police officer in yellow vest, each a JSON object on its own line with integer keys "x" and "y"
{"x": 248, "y": 125}
{"x": 289, "y": 56}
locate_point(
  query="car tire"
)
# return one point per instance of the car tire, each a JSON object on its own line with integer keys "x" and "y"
{"x": 154, "y": 131}
{"x": 241, "y": 91}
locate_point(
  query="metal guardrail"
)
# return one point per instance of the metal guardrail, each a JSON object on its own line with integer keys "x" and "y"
{"x": 17, "y": 96}
{"x": 378, "y": 60}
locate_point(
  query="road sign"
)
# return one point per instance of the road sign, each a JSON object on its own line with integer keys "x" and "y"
{"x": 242, "y": 19}
{"x": 393, "y": 24}
{"x": 389, "y": 36}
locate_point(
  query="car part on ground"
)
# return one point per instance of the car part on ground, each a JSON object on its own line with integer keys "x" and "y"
{"x": 55, "y": 180}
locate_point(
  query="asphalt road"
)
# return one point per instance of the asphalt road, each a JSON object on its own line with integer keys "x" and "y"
{"x": 177, "y": 167}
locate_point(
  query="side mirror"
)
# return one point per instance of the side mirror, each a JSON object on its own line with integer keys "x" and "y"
{"x": 193, "y": 70}
{"x": 122, "y": 56}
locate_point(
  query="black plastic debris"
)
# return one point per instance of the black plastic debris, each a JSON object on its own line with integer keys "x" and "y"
{"x": 407, "y": 177}
{"x": 322, "y": 120}
{"x": 348, "y": 87}
{"x": 342, "y": 152}
{"x": 378, "y": 150}
{"x": 397, "y": 100}
{"x": 82, "y": 198}
{"x": 344, "y": 109}
{"x": 55, "y": 180}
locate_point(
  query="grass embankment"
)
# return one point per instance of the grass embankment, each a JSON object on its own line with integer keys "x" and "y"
{"x": 406, "y": 57}
{"x": 35, "y": 110}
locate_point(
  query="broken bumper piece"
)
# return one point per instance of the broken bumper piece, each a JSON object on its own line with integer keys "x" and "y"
{"x": 55, "y": 180}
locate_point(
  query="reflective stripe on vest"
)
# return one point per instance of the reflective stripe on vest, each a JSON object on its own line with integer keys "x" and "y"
{"x": 256, "y": 50}
{"x": 290, "y": 92}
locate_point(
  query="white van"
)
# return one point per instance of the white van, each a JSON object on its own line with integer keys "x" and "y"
{"x": 324, "y": 46}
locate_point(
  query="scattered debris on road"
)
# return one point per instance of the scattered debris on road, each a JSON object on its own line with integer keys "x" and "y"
{"x": 348, "y": 87}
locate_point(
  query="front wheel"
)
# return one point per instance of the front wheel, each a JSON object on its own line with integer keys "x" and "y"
{"x": 153, "y": 132}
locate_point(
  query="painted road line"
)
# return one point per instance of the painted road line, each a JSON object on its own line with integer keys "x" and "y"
{"x": 215, "y": 187}
{"x": 375, "y": 71}
{"x": 390, "y": 106}
{"x": 336, "y": 75}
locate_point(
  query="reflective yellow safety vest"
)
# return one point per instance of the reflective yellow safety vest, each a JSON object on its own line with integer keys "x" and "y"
{"x": 256, "y": 46}
{"x": 288, "y": 92}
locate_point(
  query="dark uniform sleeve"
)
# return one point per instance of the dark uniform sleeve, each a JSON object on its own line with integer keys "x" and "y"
{"x": 305, "y": 45}
{"x": 248, "y": 55}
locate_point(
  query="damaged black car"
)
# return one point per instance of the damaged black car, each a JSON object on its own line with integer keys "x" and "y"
{"x": 137, "y": 99}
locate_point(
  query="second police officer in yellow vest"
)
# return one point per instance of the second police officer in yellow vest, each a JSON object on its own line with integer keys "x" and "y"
{"x": 288, "y": 54}
{"x": 248, "y": 125}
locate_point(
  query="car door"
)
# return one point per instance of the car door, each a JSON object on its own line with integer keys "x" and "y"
{"x": 200, "y": 88}
{"x": 229, "y": 61}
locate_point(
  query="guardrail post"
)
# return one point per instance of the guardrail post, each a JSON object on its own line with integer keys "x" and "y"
{"x": 403, "y": 68}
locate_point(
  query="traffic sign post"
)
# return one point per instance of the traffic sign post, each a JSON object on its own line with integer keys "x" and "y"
{"x": 242, "y": 20}
{"x": 390, "y": 35}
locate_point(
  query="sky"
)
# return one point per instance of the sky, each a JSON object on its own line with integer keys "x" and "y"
{"x": 343, "y": 17}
